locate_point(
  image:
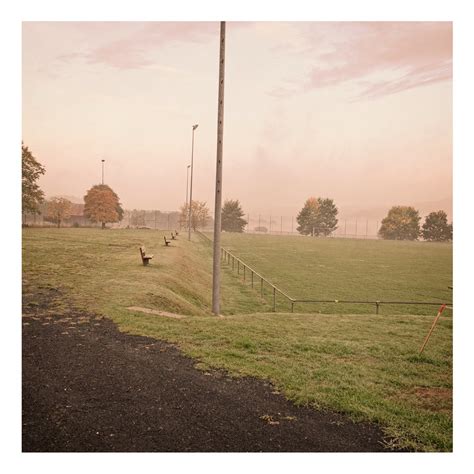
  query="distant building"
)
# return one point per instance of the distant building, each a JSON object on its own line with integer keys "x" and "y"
{"x": 77, "y": 218}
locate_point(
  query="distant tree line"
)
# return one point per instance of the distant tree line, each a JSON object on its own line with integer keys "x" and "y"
{"x": 318, "y": 217}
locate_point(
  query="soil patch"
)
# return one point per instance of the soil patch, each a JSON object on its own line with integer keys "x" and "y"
{"x": 88, "y": 387}
{"x": 166, "y": 314}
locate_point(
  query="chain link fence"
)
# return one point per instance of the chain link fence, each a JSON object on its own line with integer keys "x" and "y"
{"x": 355, "y": 228}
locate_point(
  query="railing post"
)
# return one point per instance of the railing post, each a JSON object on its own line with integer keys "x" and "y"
{"x": 238, "y": 267}
{"x": 252, "y": 277}
{"x": 292, "y": 305}
{"x": 244, "y": 272}
{"x": 274, "y": 299}
{"x": 377, "y": 304}
{"x": 261, "y": 287}
{"x": 232, "y": 263}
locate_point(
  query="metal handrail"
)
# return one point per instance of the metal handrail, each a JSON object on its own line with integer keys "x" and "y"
{"x": 377, "y": 303}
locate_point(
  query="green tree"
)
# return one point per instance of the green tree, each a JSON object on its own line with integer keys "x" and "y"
{"x": 31, "y": 170}
{"x": 102, "y": 205}
{"x": 436, "y": 227}
{"x": 401, "y": 223}
{"x": 232, "y": 214}
{"x": 318, "y": 217}
{"x": 199, "y": 215}
{"x": 58, "y": 209}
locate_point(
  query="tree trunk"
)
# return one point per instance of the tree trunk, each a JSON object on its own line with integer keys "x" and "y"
{"x": 103, "y": 225}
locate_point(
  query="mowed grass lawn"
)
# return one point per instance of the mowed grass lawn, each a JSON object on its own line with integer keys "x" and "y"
{"x": 349, "y": 269}
{"x": 363, "y": 365}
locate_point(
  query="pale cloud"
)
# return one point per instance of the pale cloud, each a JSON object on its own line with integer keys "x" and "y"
{"x": 415, "y": 54}
{"x": 134, "y": 48}
{"x": 130, "y": 91}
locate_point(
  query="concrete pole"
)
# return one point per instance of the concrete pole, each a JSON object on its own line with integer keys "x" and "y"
{"x": 216, "y": 267}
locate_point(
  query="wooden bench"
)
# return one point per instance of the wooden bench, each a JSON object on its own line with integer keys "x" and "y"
{"x": 167, "y": 242}
{"x": 145, "y": 258}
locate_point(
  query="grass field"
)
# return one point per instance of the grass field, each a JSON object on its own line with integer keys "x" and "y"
{"x": 363, "y": 365}
{"x": 349, "y": 269}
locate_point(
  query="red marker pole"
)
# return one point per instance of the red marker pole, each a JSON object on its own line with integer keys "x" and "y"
{"x": 441, "y": 309}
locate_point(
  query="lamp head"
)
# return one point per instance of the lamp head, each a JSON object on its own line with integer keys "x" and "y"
{"x": 195, "y": 126}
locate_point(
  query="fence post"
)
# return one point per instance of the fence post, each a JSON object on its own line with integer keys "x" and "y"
{"x": 292, "y": 304}
{"x": 377, "y": 304}
{"x": 238, "y": 267}
{"x": 261, "y": 287}
{"x": 244, "y": 272}
{"x": 232, "y": 263}
{"x": 274, "y": 299}
{"x": 252, "y": 277}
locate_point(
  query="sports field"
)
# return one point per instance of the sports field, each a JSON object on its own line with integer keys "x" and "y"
{"x": 364, "y": 365}
{"x": 349, "y": 269}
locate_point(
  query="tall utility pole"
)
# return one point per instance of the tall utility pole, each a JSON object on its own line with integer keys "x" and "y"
{"x": 216, "y": 265}
{"x": 191, "y": 187}
{"x": 103, "y": 171}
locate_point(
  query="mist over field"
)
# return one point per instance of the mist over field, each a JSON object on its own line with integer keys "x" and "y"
{"x": 359, "y": 112}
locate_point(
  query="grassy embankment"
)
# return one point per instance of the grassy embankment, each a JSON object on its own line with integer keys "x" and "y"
{"x": 363, "y": 365}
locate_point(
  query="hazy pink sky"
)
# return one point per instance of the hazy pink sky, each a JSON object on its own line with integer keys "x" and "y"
{"x": 358, "y": 112}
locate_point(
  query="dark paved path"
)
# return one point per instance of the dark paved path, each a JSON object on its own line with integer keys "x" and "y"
{"x": 88, "y": 387}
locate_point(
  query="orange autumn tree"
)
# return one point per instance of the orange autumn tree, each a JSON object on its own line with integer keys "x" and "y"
{"x": 102, "y": 205}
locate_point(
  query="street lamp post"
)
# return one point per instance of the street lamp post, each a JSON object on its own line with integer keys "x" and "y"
{"x": 103, "y": 171}
{"x": 187, "y": 183}
{"x": 191, "y": 186}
